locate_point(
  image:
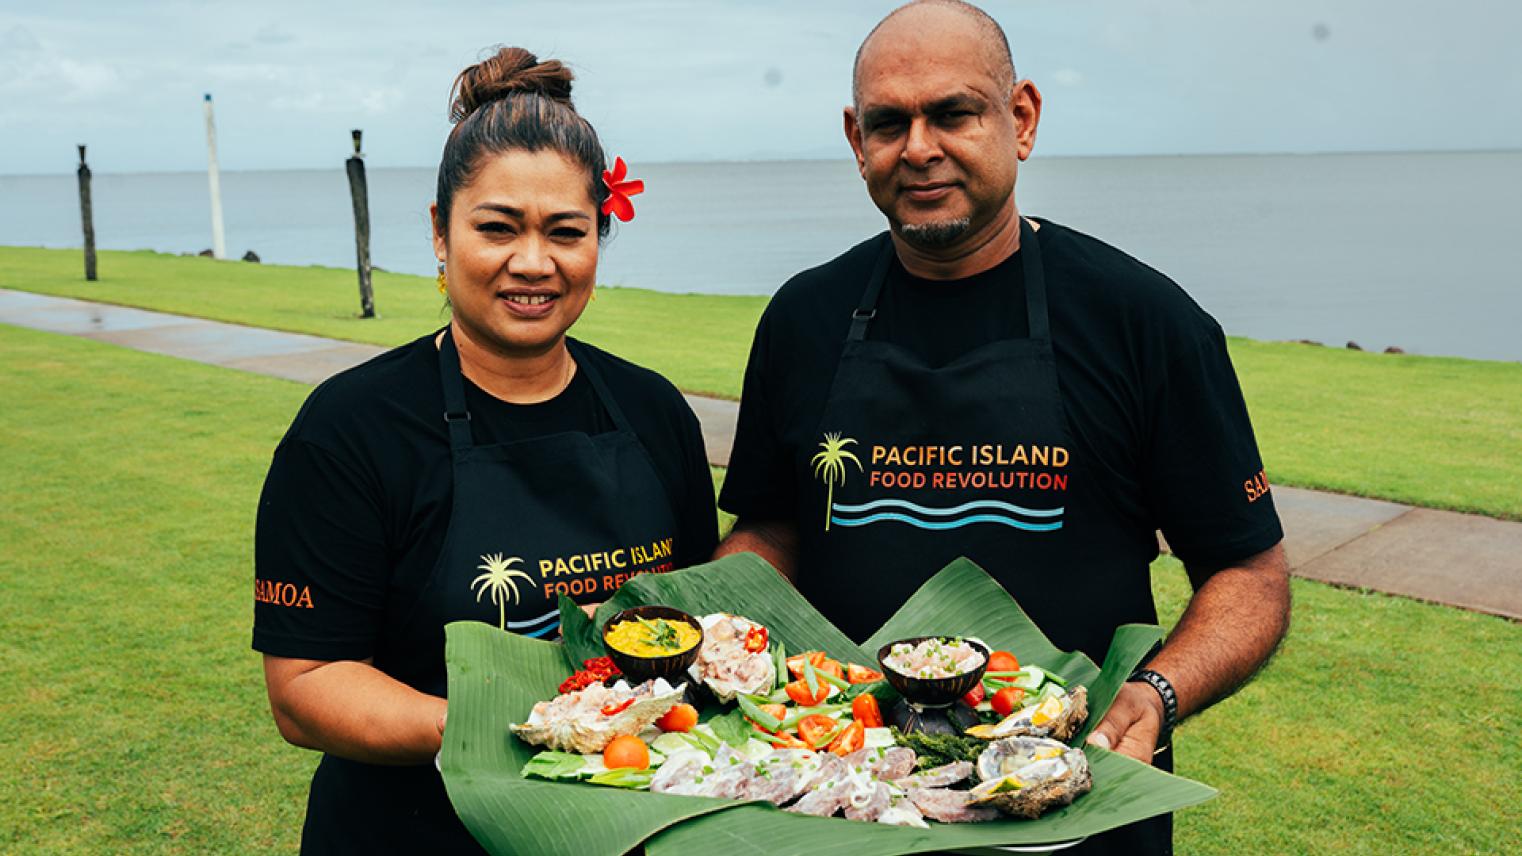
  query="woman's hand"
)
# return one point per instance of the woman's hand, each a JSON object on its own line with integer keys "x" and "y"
{"x": 590, "y": 608}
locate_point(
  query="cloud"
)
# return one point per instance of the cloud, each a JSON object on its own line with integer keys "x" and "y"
{"x": 272, "y": 34}
{"x": 1068, "y": 77}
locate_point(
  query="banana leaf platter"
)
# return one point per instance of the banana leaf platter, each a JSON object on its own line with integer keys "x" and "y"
{"x": 495, "y": 678}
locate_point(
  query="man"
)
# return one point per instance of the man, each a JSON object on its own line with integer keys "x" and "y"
{"x": 976, "y": 383}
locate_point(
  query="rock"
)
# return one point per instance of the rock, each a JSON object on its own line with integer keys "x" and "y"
{"x": 251, "y": 256}
{"x": 207, "y": 253}
{"x": 1353, "y": 346}
{"x": 1393, "y": 349}
{"x": 1307, "y": 342}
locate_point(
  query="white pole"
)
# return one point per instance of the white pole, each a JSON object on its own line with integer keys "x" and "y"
{"x": 214, "y": 178}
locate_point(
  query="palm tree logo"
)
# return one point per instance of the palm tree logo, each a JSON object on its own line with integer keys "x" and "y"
{"x": 830, "y": 465}
{"x": 499, "y": 580}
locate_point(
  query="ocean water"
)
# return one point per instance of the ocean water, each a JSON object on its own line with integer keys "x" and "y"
{"x": 1421, "y": 251}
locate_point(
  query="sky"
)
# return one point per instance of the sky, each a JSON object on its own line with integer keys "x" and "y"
{"x": 729, "y": 80}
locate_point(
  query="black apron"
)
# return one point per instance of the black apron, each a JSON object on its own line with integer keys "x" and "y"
{"x": 917, "y": 465}
{"x": 565, "y": 513}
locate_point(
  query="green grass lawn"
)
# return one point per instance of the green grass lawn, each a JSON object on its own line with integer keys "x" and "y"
{"x": 1431, "y": 431}
{"x": 135, "y": 718}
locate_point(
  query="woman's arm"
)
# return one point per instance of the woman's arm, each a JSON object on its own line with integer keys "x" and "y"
{"x": 353, "y": 710}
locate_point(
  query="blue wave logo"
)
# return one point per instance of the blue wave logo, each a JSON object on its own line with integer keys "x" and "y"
{"x": 955, "y": 517}
{"x": 541, "y": 629}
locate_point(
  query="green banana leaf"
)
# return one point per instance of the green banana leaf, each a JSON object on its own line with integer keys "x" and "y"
{"x": 495, "y": 678}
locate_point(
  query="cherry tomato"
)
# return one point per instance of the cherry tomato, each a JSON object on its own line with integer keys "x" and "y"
{"x": 849, "y": 740}
{"x": 813, "y": 728}
{"x": 1005, "y": 701}
{"x": 798, "y": 691}
{"x": 974, "y": 696}
{"x": 626, "y": 750}
{"x": 777, "y": 711}
{"x": 864, "y": 709}
{"x": 861, "y": 674}
{"x": 795, "y": 662}
{"x": 682, "y": 717}
{"x": 786, "y": 740}
{"x": 1003, "y": 661}
{"x": 755, "y": 640}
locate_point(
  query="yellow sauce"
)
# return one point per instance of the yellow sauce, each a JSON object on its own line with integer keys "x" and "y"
{"x": 638, "y": 639}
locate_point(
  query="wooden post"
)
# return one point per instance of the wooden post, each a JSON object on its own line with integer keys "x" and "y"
{"x": 87, "y": 214}
{"x": 361, "y": 197}
{"x": 214, "y": 179}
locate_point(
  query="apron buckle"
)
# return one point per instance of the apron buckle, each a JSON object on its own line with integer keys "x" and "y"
{"x": 457, "y": 417}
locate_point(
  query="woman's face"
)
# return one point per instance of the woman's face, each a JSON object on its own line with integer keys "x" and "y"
{"x": 521, "y": 255}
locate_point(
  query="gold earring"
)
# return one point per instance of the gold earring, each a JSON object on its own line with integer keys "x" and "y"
{"x": 594, "y": 293}
{"x": 443, "y": 281}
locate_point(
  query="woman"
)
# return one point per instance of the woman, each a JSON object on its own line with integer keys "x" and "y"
{"x": 476, "y": 473}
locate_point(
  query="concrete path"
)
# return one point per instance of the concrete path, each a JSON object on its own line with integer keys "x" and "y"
{"x": 1460, "y": 559}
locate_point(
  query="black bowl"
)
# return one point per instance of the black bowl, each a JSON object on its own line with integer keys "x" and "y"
{"x": 641, "y": 669}
{"x": 933, "y": 692}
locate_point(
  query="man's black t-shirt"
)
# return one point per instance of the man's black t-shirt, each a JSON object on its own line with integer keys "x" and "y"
{"x": 1148, "y": 390}
{"x": 357, "y": 501}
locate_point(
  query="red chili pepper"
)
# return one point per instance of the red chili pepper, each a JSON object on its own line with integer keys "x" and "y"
{"x": 617, "y": 708}
{"x": 755, "y": 640}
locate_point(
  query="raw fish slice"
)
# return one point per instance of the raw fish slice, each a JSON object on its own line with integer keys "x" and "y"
{"x": 724, "y": 665}
{"x": 893, "y": 762}
{"x": 777, "y": 778}
{"x": 871, "y": 804}
{"x": 902, "y": 812}
{"x": 681, "y": 775}
{"x": 948, "y": 806}
{"x": 829, "y": 790}
{"x": 938, "y": 777}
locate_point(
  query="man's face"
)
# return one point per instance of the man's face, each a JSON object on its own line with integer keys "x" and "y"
{"x": 935, "y": 132}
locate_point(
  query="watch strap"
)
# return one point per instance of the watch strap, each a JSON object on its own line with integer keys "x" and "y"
{"x": 1170, "y": 700}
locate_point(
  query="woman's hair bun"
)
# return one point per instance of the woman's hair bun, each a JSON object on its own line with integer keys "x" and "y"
{"x": 507, "y": 71}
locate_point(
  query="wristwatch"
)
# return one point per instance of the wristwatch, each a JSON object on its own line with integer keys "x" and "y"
{"x": 1170, "y": 703}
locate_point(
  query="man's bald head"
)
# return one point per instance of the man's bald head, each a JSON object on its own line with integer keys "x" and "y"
{"x": 989, "y": 35}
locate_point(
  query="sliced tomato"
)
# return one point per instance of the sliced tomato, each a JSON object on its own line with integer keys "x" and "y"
{"x": 777, "y": 711}
{"x": 864, "y": 709}
{"x": 1003, "y": 661}
{"x": 815, "y": 727}
{"x": 786, "y": 740}
{"x": 1005, "y": 701}
{"x": 617, "y": 708}
{"x": 831, "y": 668}
{"x": 798, "y": 691}
{"x": 861, "y": 674}
{"x": 974, "y": 696}
{"x": 755, "y": 640}
{"x": 849, "y": 740}
{"x": 795, "y": 662}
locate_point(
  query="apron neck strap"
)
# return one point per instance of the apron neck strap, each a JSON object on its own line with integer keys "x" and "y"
{"x": 1030, "y": 266}
{"x": 578, "y": 353}
{"x": 457, "y": 413}
{"x": 1035, "y": 282}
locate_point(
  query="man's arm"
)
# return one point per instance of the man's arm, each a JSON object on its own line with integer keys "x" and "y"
{"x": 776, "y": 541}
{"x": 351, "y": 709}
{"x": 1232, "y": 625}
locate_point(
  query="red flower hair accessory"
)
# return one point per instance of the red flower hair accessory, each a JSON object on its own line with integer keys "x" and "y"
{"x": 619, "y": 191}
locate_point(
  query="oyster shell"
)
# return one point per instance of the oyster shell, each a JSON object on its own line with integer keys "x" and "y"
{"x": 575, "y": 722}
{"x": 1058, "y": 717}
{"x": 1025, "y": 776}
{"x": 723, "y": 664}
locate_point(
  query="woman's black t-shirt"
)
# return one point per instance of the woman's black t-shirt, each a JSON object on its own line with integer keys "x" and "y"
{"x": 357, "y": 501}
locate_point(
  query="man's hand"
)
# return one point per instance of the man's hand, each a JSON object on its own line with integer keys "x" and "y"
{"x": 1132, "y": 725}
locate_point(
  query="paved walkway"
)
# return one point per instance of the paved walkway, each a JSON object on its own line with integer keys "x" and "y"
{"x": 1460, "y": 559}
